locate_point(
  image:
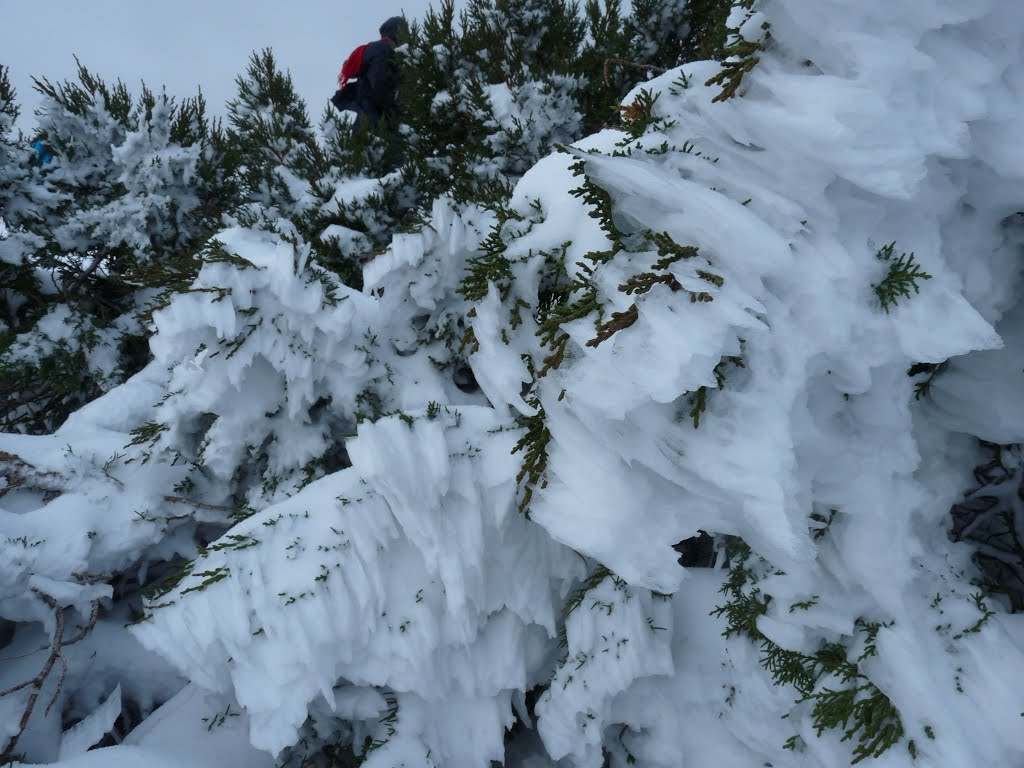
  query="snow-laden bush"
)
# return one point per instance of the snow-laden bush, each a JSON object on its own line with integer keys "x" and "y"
{"x": 108, "y": 214}
{"x": 701, "y": 323}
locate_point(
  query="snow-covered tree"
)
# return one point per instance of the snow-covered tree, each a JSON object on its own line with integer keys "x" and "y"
{"x": 11, "y": 171}
{"x": 666, "y": 34}
{"x": 434, "y": 518}
{"x": 112, "y": 221}
{"x": 272, "y": 133}
{"x": 20, "y": 294}
{"x": 489, "y": 92}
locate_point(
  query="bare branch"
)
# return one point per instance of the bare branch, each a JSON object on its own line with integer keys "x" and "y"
{"x": 57, "y": 644}
{"x": 89, "y": 625}
{"x": 20, "y": 474}
{"x": 628, "y": 63}
{"x": 60, "y": 682}
{"x": 197, "y": 504}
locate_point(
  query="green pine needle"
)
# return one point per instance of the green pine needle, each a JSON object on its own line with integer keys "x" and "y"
{"x": 903, "y": 275}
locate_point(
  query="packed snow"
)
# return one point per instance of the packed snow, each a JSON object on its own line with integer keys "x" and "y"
{"x": 757, "y": 389}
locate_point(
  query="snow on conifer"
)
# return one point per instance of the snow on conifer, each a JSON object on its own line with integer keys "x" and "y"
{"x": 432, "y": 516}
{"x": 119, "y": 194}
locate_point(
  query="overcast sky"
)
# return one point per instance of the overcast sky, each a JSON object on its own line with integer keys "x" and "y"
{"x": 184, "y": 44}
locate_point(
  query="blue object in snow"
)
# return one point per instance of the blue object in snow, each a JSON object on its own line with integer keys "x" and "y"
{"x": 42, "y": 153}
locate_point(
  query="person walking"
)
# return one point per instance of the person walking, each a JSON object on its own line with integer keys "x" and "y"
{"x": 369, "y": 78}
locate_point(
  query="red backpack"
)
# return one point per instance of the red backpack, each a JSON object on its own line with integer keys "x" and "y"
{"x": 351, "y": 67}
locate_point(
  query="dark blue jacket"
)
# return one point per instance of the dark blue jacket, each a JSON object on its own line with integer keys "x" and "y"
{"x": 373, "y": 94}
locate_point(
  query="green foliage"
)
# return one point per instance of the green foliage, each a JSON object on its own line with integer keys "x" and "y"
{"x": 708, "y": 32}
{"x": 619, "y": 321}
{"x": 136, "y": 185}
{"x": 455, "y": 66}
{"x": 923, "y": 387}
{"x": 699, "y": 397}
{"x": 512, "y": 41}
{"x": 82, "y": 98}
{"x": 34, "y": 388}
{"x": 607, "y": 39}
{"x": 667, "y": 33}
{"x": 218, "y": 719}
{"x": 739, "y": 56}
{"x": 272, "y": 132}
{"x": 902, "y": 276}
{"x": 986, "y": 613}
{"x": 491, "y": 265}
{"x": 841, "y": 697}
{"x": 600, "y": 202}
{"x": 534, "y": 445}
{"x": 580, "y": 301}
{"x": 656, "y": 35}
{"x": 639, "y": 117}
{"x": 576, "y": 598}
{"x": 13, "y": 169}
{"x": 389, "y": 724}
{"x": 9, "y": 109}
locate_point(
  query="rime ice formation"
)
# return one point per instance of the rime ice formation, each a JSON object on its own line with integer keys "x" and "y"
{"x": 754, "y": 387}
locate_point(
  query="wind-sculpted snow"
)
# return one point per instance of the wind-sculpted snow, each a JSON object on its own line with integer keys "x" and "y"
{"x": 74, "y": 509}
{"x": 411, "y": 573}
{"x": 286, "y": 357}
{"x": 788, "y": 193}
{"x": 688, "y": 325}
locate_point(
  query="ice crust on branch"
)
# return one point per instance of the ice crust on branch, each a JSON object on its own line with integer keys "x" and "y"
{"x": 409, "y": 598}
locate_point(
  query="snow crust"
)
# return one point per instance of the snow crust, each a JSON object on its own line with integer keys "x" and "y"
{"x": 408, "y": 596}
{"x": 353, "y": 579}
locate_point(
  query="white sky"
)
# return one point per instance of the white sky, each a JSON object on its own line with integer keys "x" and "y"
{"x": 188, "y": 43}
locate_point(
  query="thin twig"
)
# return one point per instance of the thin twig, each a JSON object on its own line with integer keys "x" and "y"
{"x": 87, "y": 272}
{"x": 197, "y": 504}
{"x": 24, "y": 655}
{"x": 57, "y": 645}
{"x": 94, "y": 614}
{"x": 60, "y": 683}
{"x": 628, "y": 63}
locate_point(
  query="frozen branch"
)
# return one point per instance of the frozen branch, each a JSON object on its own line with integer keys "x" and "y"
{"x": 57, "y": 645}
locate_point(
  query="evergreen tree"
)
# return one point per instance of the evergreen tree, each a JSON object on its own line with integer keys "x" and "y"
{"x": 485, "y": 94}
{"x": 292, "y": 184}
{"x": 378, "y": 509}
{"x": 114, "y": 221}
{"x": 520, "y": 57}
{"x": 20, "y": 288}
{"x": 606, "y": 47}
{"x": 273, "y": 136}
{"x": 365, "y": 193}
{"x": 11, "y": 166}
{"x": 667, "y": 33}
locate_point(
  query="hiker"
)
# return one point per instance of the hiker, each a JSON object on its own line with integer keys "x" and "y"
{"x": 369, "y": 78}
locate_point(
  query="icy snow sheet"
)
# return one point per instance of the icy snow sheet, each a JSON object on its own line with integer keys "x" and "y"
{"x": 195, "y": 729}
{"x": 998, "y": 416}
{"x": 412, "y": 571}
{"x": 80, "y": 737}
{"x": 789, "y": 214}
